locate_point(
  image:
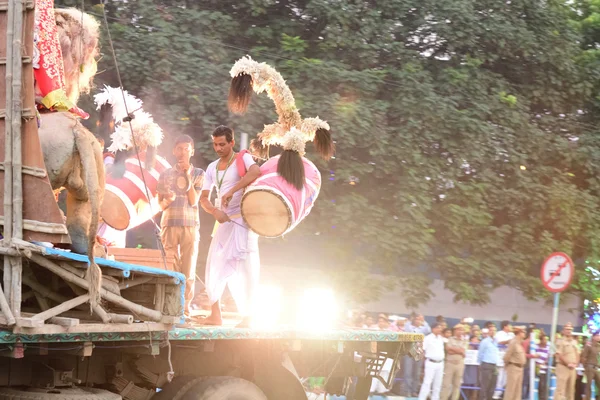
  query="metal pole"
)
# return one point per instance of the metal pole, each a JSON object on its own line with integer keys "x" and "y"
{"x": 244, "y": 141}
{"x": 552, "y": 340}
{"x": 531, "y": 368}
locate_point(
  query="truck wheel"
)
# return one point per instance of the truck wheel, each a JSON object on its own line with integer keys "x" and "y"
{"x": 177, "y": 388}
{"x": 224, "y": 388}
{"x": 83, "y": 393}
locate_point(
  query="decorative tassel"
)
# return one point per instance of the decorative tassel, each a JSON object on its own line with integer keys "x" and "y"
{"x": 258, "y": 149}
{"x": 94, "y": 278}
{"x": 324, "y": 143}
{"x": 240, "y": 93}
{"x": 291, "y": 168}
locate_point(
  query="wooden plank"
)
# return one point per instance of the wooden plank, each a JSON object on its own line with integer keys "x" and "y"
{"x": 159, "y": 298}
{"x": 61, "y": 308}
{"x": 95, "y": 328}
{"x": 150, "y": 280}
{"x": 63, "y": 321}
{"x": 30, "y": 322}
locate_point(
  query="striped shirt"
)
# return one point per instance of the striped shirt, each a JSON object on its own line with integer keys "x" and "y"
{"x": 180, "y": 212}
{"x": 542, "y": 352}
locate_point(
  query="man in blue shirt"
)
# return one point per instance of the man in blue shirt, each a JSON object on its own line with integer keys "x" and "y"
{"x": 488, "y": 357}
{"x": 412, "y": 367}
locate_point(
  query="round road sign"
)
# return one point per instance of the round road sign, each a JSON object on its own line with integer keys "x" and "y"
{"x": 557, "y": 272}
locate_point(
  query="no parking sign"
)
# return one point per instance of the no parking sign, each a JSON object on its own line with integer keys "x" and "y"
{"x": 557, "y": 272}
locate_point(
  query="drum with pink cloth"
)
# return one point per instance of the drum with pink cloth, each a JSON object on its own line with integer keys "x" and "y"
{"x": 126, "y": 204}
{"x": 271, "y": 207}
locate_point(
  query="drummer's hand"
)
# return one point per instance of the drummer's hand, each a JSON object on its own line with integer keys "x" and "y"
{"x": 226, "y": 198}
{"x": 221, "y": 216}
{"x": 170, "y": 196}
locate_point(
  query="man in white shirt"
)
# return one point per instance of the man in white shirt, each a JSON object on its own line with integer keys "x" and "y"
{"x": 433, "y": 345}
{"x": 233, "y": 259}
{"x": 502, "y": 338}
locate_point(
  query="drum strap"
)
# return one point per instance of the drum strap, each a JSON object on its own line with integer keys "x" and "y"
{"x": 239, "y": 162}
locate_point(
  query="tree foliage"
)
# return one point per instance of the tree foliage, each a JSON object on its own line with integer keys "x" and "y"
{"x": 466, "y": 138}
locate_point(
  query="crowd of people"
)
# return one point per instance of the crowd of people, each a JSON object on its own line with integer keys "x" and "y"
{"x": 502, "y": 369}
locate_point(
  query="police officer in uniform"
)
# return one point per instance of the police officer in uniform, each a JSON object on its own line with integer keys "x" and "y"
{"x": 590, "y": 358}
{"x": 567, "y": 359}
{"x": 514, "y": 361}
{"x": 455, "y": 364}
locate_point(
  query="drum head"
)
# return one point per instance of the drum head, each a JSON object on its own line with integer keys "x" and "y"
{"x": 114, "y": 212}
{"x": 266, "y": 213}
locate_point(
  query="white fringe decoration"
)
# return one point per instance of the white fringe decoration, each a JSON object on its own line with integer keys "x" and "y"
{"x": 146, "y": 131}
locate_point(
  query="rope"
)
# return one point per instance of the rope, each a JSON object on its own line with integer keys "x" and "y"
{"x": 135, "y": 146}
{"x": 80, "y": 69}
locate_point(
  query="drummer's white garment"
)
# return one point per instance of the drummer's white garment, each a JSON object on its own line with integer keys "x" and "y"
{"x": 233, "y": 257}
{"x": 114, "y": 237}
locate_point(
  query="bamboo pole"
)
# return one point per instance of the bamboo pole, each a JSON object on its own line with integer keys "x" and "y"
{"x": 101, "y": 313}
{"x": 10, "y": 318}
{"x": 17, "y": 105}
{"x": 61, "y": 308}
{"x": 17, "y": 155}
{"x": 138, "y": 309}
{"x": 43, "y": 227}
{"x": 97, "y": 309}
{"x": 159, "y": 298}
{"x": 74, "y": 270}
{"x": 121, "y": 318}
{"x": 5, "y": 251}
{"x": 43, "y": 290}
{"x": 8, "y": 148}
{"x": 112, "y": 318}
{"x": 150, "y": 280}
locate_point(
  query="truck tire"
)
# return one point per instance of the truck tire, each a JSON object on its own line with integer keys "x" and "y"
{"x": 83, "y": 393}
{"x": 177, "y": 388}
{"x": 224, "y": 388}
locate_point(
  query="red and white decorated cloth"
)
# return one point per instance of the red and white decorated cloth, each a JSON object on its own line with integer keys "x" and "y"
{"x": 48, "y": 61}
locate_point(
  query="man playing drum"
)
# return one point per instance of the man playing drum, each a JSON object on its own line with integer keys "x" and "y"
{"x": 233, "y": 258}
{"x": 178, "y": 192}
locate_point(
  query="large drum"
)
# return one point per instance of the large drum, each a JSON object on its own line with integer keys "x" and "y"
{"x": 125, "y": 204}
{"x": 271, "y": 207}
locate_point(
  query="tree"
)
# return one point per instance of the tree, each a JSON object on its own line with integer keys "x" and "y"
{"x": 465, "y": 140}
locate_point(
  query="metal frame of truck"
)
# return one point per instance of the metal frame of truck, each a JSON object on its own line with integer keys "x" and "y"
{"x": 52, "y": 345}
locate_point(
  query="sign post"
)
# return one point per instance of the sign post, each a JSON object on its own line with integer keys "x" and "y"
{"x": 557, "y": 273}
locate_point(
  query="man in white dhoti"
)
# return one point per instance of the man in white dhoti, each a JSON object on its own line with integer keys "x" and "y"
{"x": 233, "y": 258}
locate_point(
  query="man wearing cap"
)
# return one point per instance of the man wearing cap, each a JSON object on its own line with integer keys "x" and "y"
{"x": 433, "y": 345}
{"x": 590, "y": 358}
{"x": 454, "y": 367}
{"x": 567, "y": 359}
{"x": 487, "y": 358}
{"x": 514, "y": 361}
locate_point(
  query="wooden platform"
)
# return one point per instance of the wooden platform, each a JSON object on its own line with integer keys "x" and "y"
{"x": 148, "y": 257}
{"x": 135, "y": 298}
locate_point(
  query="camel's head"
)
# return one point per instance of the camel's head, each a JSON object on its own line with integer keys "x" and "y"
{"x": 78, "y": 35}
